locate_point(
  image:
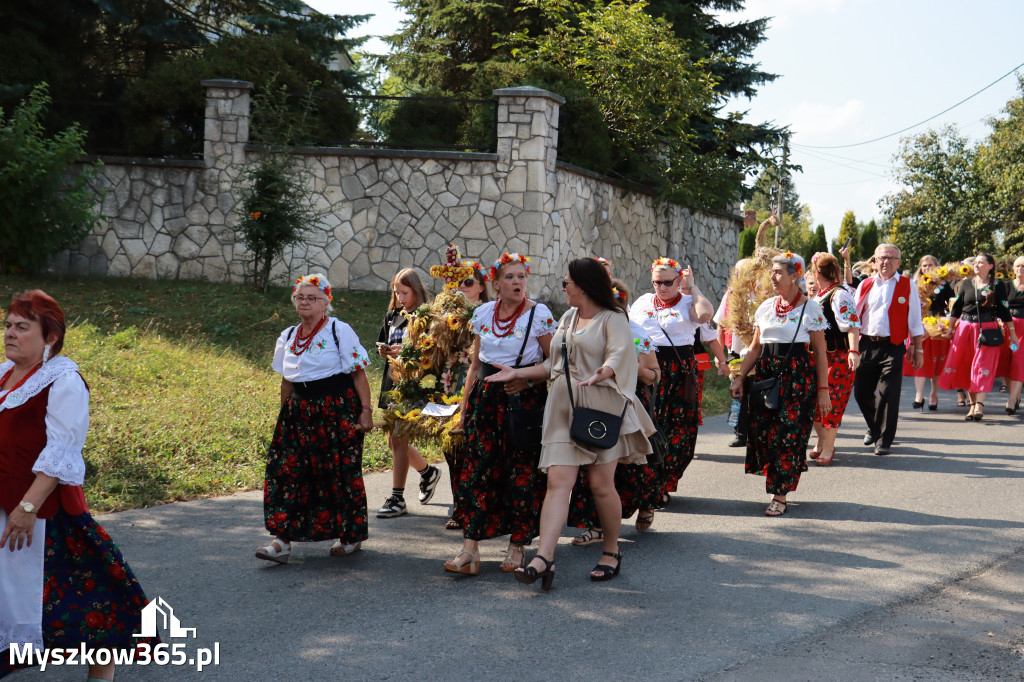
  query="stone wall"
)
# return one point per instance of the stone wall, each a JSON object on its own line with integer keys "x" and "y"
{"x": 389, "y": 209}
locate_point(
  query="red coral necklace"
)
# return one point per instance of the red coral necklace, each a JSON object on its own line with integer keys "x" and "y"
{"x": 823, "y": 292}
{"x": 503, "y": 326}
{"x": 665, "y": 305}
{"x": 17, "y": 385}
{"x": 302, "y": 343}
{"x": 782, "y": 307}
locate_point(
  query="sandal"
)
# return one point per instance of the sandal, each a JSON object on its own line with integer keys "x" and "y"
{"x": 604, "y": 571}
{"x": 918, "y": 404}
{"x": 277, "y": 551}
{"x": 773, "y": 508}
{"x": 452, "y": 524}
{"x": 815, "y": 453}
{"x": 825, "y": 461}
{"x": 587, "y": 537}
{"x": 340, "y": 548}
{"x": 970, "y": 414}
{"x": 471, "y": 567}
{"x": 529, "y": 575}
{"x": 644, "y": 519}
{"x": 979, "y": 412}
{"x": 510, "y": 564}
{"x": 961, "y": 398}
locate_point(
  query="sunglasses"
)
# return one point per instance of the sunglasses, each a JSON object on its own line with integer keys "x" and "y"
{"x": 565, "y": 283}
{"x": 659, "y": 283}
{"x": 468, "y": 282}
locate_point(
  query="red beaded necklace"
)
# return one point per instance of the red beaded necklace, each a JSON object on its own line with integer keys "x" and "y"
{"x": 503, "y": 326}
{"x": 302, "y": 343}
{"x": 665, "y": 305}
{"x": 19, "y": 384}
{"x": 782, "y": 307}
{"x": 830, "y": 287}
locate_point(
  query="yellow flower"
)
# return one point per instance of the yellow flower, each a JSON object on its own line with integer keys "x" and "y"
{"x": 428, "y": 382}
{"x": 929, "y": 320}
{"x": 453, "y": 322}
{"x": 426, "y": 342}
{"x": 965, "y": 270}
{"x": 926, "y": 279}
{"x": 942, "y": 272}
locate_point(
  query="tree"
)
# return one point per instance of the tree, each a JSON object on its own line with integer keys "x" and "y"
{"x": 46, "y": 209}
{"x": 848, "y": 229}
{"x": 820, "y": 242}
{"x": 764, "y": 193}
{"x": 943, "y": 207}
{"x": 869, "y": 240}
{"x": 795, "y": 234}
{"x": 748, "y": 240}
{"x": 1001, "y": 166}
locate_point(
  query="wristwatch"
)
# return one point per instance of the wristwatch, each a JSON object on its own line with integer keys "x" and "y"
{"x": 28, "y": 507}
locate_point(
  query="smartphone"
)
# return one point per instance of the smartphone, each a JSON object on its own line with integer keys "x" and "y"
{"x": 383, "y": 346}
{"x": 847, "y": 244}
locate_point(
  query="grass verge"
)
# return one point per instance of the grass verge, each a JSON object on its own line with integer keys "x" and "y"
{"x": 183, "y": 400}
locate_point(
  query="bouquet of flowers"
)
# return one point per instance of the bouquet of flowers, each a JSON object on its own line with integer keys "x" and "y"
{"x": 937, "y": 327}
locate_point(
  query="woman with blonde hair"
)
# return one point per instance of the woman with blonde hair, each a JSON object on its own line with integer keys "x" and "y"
{"x": 407, "y": 294}
{"x": 842, "y": 339}
{"x": 939, "y": 294}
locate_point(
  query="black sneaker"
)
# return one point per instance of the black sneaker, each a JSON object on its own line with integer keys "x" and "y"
{"x": 738, "y": 442}
{"x": 393, "y": 506}
{"x": 428, "y": 483}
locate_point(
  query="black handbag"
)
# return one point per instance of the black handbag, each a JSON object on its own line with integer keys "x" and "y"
{"x": 991, "y": 337}
{"x": 764, "y": 394}
{"x": 523, "y": 426}
{"x": 591, "y": 427}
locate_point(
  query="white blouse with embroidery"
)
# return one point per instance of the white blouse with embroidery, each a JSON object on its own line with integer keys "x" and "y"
{"x": 67, "y": 417}
{"x": 775, "y": 329}
{"x": 844, "y": 309}
{"x": 504, "y": 350}
{"x": 641, "y": 340}
{"x": 324, "y": 358}
{"x": 675, "y": 320}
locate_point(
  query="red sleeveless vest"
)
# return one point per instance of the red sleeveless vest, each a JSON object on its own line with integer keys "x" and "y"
{"x": 22, "y": 438}
{"x": 899, "y": 307}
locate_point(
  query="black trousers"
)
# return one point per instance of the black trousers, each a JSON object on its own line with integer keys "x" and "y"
{"x": 881, "y": 370}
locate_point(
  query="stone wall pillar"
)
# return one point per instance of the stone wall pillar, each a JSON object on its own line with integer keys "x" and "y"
{"x": 527, "y": 155}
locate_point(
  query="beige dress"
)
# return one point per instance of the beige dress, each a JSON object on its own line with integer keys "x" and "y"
{"x": 606, "y": 341}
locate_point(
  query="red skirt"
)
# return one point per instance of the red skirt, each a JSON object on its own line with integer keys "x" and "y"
{"x": 969, "y": 366}
{"x": 935, "y": 353}
{"x": 1011, "y": 365}
{"x": 840, "y": 384}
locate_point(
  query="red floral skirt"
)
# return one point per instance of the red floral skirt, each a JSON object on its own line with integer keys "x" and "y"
{"x": 969, "y": 365}
{"x": 840, "y": 385}
{"x": 499, "y": 490}
{"x": 313, "y": 489}
{"x": 935, "y": 353}
{"x": 90, "y": 594}
{"x": 777, "y": 440}
{"x": 677, "y": 418}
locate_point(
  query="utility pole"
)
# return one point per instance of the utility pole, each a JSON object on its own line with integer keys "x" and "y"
{"x": 782, "y": 179}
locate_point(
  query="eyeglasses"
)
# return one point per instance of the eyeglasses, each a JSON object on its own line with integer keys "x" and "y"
{"x": 659, "y": 283}
{"x": 306, "y": 299}
{"x": 468, "y": 282}
{"x": 886, "y": 257}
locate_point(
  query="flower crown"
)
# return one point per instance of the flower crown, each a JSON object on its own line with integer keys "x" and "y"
{"x": 667, "y": 263}
{"x": 315, "y": 280}
{"x": 507, "y": 258}
{"x": 478, "y": 267}
{"x": 602, "y": 260}
{"x": 619, "y": 295}
{"x": 797, "y": 265}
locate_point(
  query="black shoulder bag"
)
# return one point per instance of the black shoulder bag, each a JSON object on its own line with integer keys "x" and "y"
{"x": 523, "y": 427}
{"x": 765, "y": 393}
{"x": 589, "y": 426}
{"x": 992, "y": 336}
{"x": 690, "y": 383}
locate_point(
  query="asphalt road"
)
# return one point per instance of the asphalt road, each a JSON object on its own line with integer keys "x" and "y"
{"x": 906, "y": 567}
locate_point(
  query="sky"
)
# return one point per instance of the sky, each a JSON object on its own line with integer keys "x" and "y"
{"x": 852, "y": 71}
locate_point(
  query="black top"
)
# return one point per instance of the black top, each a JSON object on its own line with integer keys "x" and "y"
{"x": 835, "y": 338}
{"x": 967, "y": 302}
{"x": 1014, "y": 300}
{"x": 391, "y": 332}
{"x": 941, "y": 295}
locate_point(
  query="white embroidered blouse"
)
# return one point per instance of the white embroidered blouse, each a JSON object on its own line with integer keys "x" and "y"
{"x": 324, "y": 358}
{"x": 505, "y": 349}
{"x": 675, "y": 320}
{"x": 775, "y": 329}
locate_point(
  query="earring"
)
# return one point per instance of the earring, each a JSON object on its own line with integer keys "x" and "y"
{"x": 46, "y": 353}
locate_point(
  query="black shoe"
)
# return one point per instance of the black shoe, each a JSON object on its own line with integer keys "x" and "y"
{"x": 918, "y": 404}
{"x": 881, "y": 450}
{"x": 529, "y": 575}
{"x": 933, "y": 406}
{"x": 738, "y": 442}
{"x": 428, "y": 483}
{"x": 604, "y": 571}
{"x": 869, "y": 439}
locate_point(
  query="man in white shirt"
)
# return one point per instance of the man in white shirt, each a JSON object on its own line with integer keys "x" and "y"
{"x": 890, "y": 312}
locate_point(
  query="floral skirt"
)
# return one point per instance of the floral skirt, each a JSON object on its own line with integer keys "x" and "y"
{"x": 777, "y": 440}
{"x": 935, "y": 352}
{"x": 1011, "y": 365}
{"x": 840, "y": 385}
{"x": 677, "y": 418}
{"x": 313, "y": 489}
{"x": 638, "y": 486}
{"x": 90, "y": 594}
{"x": 499, "y": 490}
{"x": 970, "y": 366}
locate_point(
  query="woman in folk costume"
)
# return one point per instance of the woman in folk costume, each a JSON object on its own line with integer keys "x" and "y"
{"x": 63, "y": 582}
{"x": 1011, "y": 361}
{"x": 672, "y": 320}
{"x": 935, "y": 293}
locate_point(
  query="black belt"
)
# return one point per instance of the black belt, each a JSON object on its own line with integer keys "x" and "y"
{"x": 970, "y": 317}
{"x": 1017, "y": 312}
{"x": 668, "y": 353}
{"x": 782, "y": 349}
{"x": 878, "y": 339}
{"x": 321, "y": 388}
{"x": 487, "y": 369}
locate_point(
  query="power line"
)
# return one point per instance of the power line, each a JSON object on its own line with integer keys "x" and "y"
{"x": 887, "y": 166}
{"x": 814, "y": 155}
{"x": 930, "y": 118}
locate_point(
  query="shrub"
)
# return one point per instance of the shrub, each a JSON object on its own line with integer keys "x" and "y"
{"x": 45, "y": 208}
